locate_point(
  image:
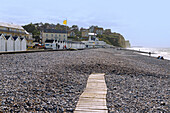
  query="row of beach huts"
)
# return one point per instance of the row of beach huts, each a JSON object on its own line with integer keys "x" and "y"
{"x": 57, "y": 44}
{"x": 17, "y": 43}
{"x": 12, "y": 43}
{"x": 93, "y": 42}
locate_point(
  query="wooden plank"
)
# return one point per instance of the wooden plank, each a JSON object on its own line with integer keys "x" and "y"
{"x": 93, "y": 99}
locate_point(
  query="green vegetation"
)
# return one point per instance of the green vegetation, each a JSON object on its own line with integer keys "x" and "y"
{"x": 31, "y": 28}
{"x": 114, "y": 39}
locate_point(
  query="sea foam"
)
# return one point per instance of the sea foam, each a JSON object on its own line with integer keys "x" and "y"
{"x": 165, "y": 52}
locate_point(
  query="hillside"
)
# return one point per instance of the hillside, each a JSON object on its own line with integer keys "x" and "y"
{"x": 114, "y": 39}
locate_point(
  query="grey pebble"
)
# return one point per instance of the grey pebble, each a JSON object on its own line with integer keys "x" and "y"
{"x": 53, "y": 81}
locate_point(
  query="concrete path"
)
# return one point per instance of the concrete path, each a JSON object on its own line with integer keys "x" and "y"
{"x": 93, "y": 99}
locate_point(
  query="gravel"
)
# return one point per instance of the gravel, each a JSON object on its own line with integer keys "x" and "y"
{"x": 53, "y": 81}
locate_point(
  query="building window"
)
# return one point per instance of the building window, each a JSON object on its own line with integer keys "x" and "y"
{"x": 51, "y": 35}
{"x": 5, "y": 28}
{"x": 59, "y": 35}
{"x": 64, "y": 35}
{"x": 55, "y": 35}
{"x": 46, "y": 35}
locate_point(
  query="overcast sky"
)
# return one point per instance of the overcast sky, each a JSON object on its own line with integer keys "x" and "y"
{"x": 143, "y": 22}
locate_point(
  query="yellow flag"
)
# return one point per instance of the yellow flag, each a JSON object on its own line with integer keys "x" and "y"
{"x": 65, "y": 22}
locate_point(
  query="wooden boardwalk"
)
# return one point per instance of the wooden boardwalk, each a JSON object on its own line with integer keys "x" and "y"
{"x": 93, "y": 99}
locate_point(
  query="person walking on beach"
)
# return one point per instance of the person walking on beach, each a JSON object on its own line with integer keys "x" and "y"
{"x": 149, "y": 53}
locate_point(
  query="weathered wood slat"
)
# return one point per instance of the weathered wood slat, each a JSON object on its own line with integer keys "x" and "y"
{"x": 93, "y": 99}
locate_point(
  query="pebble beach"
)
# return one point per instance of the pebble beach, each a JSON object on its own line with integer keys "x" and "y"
{"x": 53, "y": 81}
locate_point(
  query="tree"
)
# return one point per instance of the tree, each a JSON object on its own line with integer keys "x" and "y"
{"x": 32, "y": 29}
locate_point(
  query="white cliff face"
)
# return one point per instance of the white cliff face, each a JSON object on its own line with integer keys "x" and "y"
{"x": 127, "y": 44}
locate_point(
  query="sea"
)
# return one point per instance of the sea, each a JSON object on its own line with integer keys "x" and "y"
{"x": 165, "y": 52}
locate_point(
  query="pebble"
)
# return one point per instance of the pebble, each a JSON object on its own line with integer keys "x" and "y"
{"x": 53, "y": 81}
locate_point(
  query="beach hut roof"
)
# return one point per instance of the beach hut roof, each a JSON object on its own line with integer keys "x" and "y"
{"x": 15, "y": 37}
{"x": 22, "y": 38}
{"x": 2, "y": 36}
{"x": 7, "y": 37}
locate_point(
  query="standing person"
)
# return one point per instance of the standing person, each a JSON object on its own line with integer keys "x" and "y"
{"x": 149, "y": 53}
{"x": 58, "y": 46}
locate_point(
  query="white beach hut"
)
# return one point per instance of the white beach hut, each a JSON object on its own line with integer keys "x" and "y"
{"x": 64, "y": 45}
{"x": 9, "y": 43}
{"x": 2, "y": 43}
{"x": 60, "y": 43}
{"x": 23, "y": 44}
{"x": 74, "y": 45}
{"x": 50, "y": 44}
{"x": 17, "y": 43}
{"x": 54, "y": 47}
{"x": 78, "y": 45}
{"x": 69, "y": 44}
{"x": 57, "y": 44}
{"x": 83, "y": 45}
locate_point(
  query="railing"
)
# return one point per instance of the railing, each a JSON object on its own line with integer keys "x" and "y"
{"x": 1, "y": 30}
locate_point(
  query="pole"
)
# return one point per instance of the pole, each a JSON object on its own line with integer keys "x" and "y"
{"x": 66, "y": 29}
{"x": 66, "y": 34}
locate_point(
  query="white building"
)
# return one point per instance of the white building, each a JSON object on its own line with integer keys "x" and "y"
{"x": 17, "y": 43}
{"x": 12, "y": 29}
{"x": 2, "y": 43}
{"x": 94, "y": 41}
{"x": 75, "y": 45}
{"x": 68, "y": 44}
{"x": 53, "y": 34}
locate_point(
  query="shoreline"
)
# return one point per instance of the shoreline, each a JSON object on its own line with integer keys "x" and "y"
{"x": 53, "y": 81}
{"x": 153, "y": 54}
